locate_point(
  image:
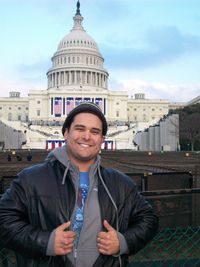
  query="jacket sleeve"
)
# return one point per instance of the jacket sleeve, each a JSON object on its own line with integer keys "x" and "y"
{"x": 16, "y": 231}
{"x": 142, "y": 221}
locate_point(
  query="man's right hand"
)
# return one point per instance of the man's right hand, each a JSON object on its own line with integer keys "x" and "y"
{"x": 64, "y": 240}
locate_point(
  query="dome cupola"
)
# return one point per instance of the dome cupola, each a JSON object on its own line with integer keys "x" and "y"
{"x": 77, "y": 38}
{"x": 77, "y": 61}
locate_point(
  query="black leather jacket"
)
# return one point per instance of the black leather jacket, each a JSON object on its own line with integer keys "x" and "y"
{"x": 37, "y": 203}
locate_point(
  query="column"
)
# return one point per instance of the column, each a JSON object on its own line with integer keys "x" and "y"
{"x": 70, "y": 77}
{"x": 90, "y": 75}
{"x": 96, "y": 79}
{"x": 64, "y": 77}
{"x": 75, "y": 77}
{"x": 101, "y": 80}
{"x": 53, "y": 79}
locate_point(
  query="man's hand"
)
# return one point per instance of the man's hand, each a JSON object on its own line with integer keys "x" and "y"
{"x": 108, "y": 242}
{"x": 63, "y": 243}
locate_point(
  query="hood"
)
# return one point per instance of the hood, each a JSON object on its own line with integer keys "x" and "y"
{"x": 60, "y": 154}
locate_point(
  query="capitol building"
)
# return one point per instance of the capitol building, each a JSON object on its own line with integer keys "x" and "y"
{"x": 77, "y": 74}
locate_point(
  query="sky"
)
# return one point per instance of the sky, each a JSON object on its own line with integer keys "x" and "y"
{"x": 149, "y": 46}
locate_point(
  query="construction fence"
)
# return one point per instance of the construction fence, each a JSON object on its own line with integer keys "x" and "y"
{"x": 170, "y": 248}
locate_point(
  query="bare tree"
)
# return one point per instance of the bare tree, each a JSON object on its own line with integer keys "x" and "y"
{"x": 190, "y": 127}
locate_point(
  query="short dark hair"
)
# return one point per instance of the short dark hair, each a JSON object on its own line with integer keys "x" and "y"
{"x": 87, "y": 107}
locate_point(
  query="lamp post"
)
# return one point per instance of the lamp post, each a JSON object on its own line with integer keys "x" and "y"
{"x": 188, "y": 147}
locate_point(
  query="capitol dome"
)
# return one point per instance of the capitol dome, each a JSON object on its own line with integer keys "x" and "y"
{"x": 77, "y": 38}
{"x": 77, "y": 61}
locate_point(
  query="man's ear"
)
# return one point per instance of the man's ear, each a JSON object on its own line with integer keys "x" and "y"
{"x": 103, "y": 138}
{"x": 65, "y": 134}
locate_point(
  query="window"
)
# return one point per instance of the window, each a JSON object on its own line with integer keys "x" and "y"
{"x": 117, "y": 113}
{"x": 19, "y": 108}
{"x": 9, "y": 116}
{"x": 19, "y": 117}
{"x": 38, "y": 112}
{"x": 38, "y": 102}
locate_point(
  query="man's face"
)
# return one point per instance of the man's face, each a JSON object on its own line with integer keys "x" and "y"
{"x": 84, "y": 139}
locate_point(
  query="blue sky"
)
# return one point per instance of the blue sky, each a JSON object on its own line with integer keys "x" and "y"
{"x": 150, "y": 46}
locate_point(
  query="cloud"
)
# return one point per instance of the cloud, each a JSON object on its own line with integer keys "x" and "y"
{"x": 29, "y": 83}
{"x": 161, "y": 45}
{"x": 154, "y": 90}
{"x": 33, "y": 67}
{"x": 170, "y": 42}
{"x": 25, "y": 77}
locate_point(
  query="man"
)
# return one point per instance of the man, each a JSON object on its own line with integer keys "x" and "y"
{"x": 70, "y": 211}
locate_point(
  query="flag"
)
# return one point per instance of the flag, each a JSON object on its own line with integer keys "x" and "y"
{"x": 99, "y": 102}
{"x": 87, "y": 99}
{"x": 78, "y": 101}
{"x": 69, "y": 104}
{"x": 58, "y": 106}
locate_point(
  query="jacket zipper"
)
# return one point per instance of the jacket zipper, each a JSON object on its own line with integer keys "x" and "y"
{"x": 75, "y": 256}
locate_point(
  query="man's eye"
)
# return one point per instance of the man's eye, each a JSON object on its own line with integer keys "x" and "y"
{"x": 95, "y": 132}
{"x": 79, "y": 128}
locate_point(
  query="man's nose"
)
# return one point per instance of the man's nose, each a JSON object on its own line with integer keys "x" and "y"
{"x": 87, "y": 134}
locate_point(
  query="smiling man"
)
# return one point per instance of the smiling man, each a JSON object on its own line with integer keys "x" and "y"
{"x": 70, "y": 211}
{"x": 84, "y": 139}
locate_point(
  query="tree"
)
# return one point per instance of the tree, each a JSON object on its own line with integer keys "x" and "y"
{"x": 189, "y": 126}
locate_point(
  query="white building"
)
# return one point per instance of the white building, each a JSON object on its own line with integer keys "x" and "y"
{"x": 78, "y": 74}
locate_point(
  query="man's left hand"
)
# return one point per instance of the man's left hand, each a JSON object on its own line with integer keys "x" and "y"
{"x": 108, "y": 242}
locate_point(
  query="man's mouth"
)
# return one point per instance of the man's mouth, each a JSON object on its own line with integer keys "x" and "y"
{"x": 84, "y": 145}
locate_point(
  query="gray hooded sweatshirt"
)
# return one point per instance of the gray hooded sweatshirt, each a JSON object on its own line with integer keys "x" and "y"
{"x": 87, "y": 252}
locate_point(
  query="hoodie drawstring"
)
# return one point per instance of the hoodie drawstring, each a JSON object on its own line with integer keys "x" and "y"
{"x": 65, "y": 173}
